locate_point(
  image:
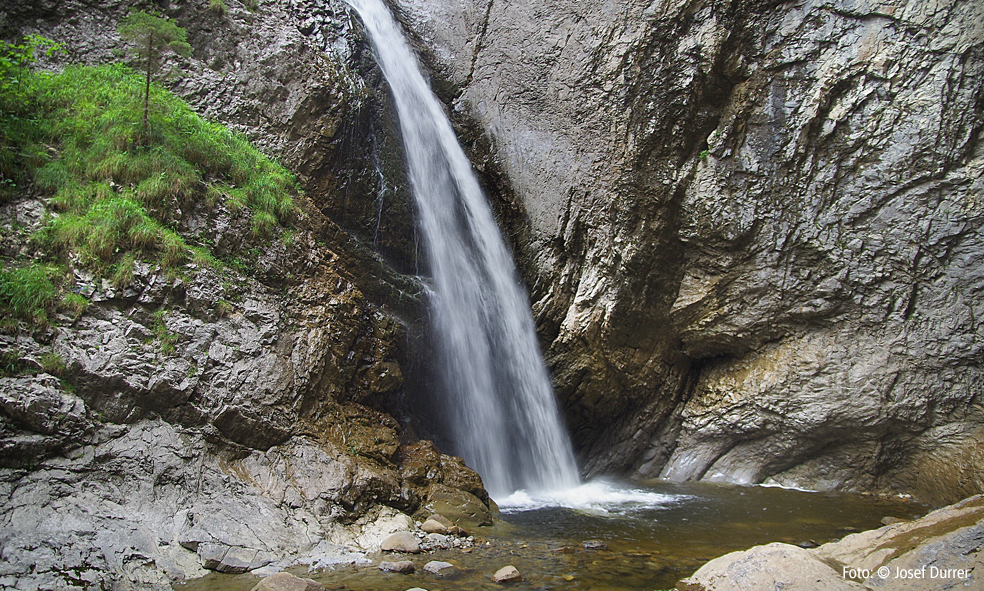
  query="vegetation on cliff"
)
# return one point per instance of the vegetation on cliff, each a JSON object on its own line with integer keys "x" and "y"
{"x": 115, "y": 193}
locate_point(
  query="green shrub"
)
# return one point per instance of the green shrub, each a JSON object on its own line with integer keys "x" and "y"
{"x": 75, "y": 303}
{"x": 217, "y": 7}
{"x": 12, "y": 363}
{"x": 116, "y": 190}
{"x": 53, "y": 363}
{"x": 28, "y": 292}
{"x": 166, "y": 340}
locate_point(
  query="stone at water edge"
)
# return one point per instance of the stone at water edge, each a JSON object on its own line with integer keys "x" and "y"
{"x": 287, "y": 582}
{"x": 432, "y": 526}
{"x": 773, "y": 566}
{"x": 441, "y": 519}
{"x": 401, "y": 541}
{"x": 507, "y": 574}
{"x": 464, "y": 508}
{"x": 404, "y": 567}
{"x": 441, "y": 569}
{"x": 594, "y": 545}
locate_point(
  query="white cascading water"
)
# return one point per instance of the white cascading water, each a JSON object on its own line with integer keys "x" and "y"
{"x": 504, "y": 418}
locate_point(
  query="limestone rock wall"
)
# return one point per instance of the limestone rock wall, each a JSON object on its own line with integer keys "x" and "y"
{"x": 751, "y": 230}
{"x": 228, "y": 418}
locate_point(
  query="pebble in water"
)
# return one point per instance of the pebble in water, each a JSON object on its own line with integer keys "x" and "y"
{"x": 435, "y": 542}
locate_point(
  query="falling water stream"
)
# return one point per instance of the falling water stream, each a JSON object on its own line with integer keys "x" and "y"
{"x": 507, "y": 426}
{"x": 503, "y": 416}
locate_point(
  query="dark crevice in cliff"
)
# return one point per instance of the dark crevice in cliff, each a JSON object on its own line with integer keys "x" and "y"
{"x": 479, "y": 41}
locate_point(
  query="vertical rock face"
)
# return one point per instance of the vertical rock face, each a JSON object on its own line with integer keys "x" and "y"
{"x": 232, "y": 416}
{"x": 751, "y": 230}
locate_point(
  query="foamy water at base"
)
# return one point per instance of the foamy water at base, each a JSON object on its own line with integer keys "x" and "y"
{"x": 598, "y": 496}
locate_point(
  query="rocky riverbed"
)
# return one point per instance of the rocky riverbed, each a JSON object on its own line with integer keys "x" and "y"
{"x": 601, "y": 536}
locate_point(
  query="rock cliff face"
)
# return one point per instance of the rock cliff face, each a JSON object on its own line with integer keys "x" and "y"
{"x": 751, "y": 230}
{"x": 228, "y": 418}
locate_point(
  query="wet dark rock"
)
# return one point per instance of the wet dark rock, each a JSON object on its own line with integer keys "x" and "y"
{"x": 565, "y": 550}
{"x": 458, "y": 505}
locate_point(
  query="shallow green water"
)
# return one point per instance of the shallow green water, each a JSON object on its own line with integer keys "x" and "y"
{"x": 656, "y": 533}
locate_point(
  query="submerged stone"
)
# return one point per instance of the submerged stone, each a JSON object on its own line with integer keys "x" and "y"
{"x": 287, "y": 582}
{"x": 442, "y": 569}
{"x": 507, "y": 574}
{"x": 403, "y": 567}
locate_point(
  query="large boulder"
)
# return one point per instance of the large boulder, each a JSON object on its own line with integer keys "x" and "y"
{"x": 461, "y": 507}
{"x": 287, "y": 582}
{"x": 943, "y": 550}
{"x": 765, "y": 568}
{"x": 403, "y": 541}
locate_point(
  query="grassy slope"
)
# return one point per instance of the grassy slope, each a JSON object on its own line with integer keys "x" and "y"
{"x": 112, "y": 190}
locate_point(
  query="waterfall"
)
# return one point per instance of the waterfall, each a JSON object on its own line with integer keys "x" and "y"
{"x": 503, "y": 416}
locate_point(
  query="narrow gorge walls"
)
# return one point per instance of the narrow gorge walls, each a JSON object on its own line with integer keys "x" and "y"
{"x": 752, "y": 230}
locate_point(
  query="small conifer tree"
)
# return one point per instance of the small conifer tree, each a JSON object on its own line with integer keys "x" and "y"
{"x": 152, "y": 36}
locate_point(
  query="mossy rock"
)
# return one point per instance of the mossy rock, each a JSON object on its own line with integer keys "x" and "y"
{"x": 462, "y": 508}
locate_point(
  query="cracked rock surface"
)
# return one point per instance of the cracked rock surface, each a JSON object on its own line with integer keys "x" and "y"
{"x": 751, "y": 230}
{"x": 232, "y": 417}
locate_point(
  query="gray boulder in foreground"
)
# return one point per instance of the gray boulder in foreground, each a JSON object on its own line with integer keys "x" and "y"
{"x": 287, "y": 582}
{"x": 943, "y": 550}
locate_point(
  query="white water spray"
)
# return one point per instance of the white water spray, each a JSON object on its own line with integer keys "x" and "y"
{"x": 504, "y": 418}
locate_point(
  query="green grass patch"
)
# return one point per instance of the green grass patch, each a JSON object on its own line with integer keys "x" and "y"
{"x": 166, "y": 340}
{"x": 78, "y": 137}
{"x": 28, "y": 292}
{"x": 53, "y": 363}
